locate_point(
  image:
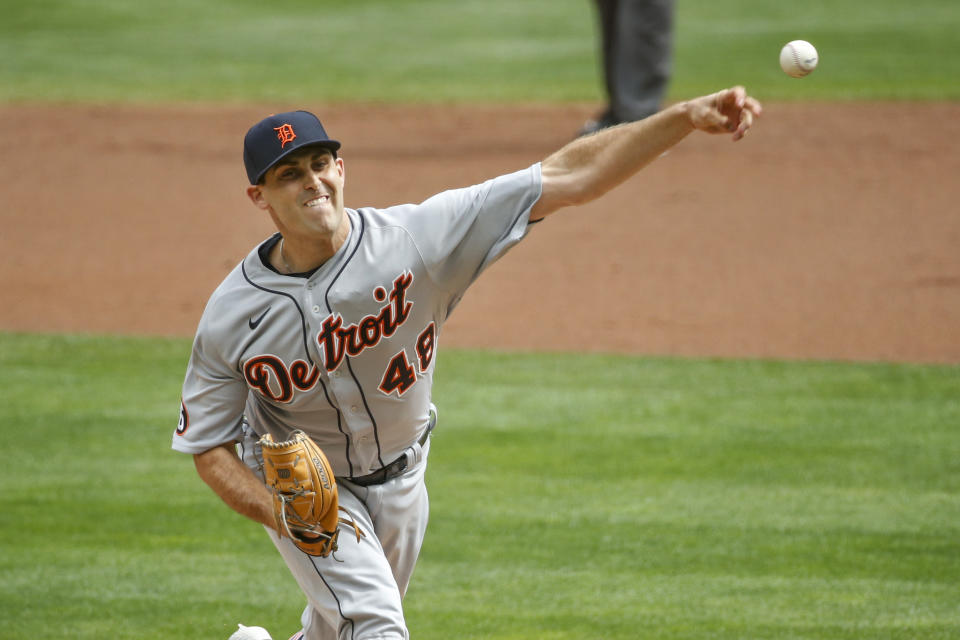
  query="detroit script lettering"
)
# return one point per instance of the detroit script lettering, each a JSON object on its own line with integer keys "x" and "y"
{"x": 272, "y": 378}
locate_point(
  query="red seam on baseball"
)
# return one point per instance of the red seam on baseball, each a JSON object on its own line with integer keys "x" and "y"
{"x": 796, "y": 60}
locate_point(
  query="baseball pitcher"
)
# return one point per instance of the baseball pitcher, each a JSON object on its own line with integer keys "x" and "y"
{"x": 307, "y": 399}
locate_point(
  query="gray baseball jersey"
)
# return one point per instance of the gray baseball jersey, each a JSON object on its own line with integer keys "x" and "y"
{"x": 347, "y": 354}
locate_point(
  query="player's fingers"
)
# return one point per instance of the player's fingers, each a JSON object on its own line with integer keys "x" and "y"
{"x": 753, "y": 106}
{"x": 729, "y": 103}
{"x": 731, "y": 99}
{"x": 746, "y": 121}
{"x": 750, "y": 112}
{"x": 737, "y": 96}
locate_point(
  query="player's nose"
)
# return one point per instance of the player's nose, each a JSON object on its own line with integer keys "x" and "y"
{"x": 312, "y": 181}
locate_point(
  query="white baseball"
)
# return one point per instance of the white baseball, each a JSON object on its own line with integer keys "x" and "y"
{"x": 798, "y": 58}
{"x": 250, "y": 633}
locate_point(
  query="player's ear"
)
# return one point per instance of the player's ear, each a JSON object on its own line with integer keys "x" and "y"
{"x": 256, "y": 196}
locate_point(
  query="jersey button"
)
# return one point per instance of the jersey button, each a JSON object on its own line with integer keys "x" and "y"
{"x": 316, "y": 308}
{"x": 354, "y": 409}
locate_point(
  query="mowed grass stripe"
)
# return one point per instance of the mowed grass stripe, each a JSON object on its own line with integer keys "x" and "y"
{"x": 304, "y": 51}
{"x": 572, "y": 496}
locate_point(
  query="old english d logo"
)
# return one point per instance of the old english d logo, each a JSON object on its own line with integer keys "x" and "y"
{"x": 285, "y": 134}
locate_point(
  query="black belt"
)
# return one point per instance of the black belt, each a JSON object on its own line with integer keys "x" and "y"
{"x": 396, "y": 467}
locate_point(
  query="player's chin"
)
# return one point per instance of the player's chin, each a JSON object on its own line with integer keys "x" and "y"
{"x": 325, "y": 218}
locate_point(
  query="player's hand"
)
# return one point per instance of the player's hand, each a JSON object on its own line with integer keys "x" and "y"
{"x": 727, "y": 111}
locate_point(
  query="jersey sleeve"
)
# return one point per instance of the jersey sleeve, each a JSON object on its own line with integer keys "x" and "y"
{"x": 461, "y": 232}
{"x": 212, "y": 402}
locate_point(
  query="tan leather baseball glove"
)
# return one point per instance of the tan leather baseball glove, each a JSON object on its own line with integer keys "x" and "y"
{"x": 305, "y": 501}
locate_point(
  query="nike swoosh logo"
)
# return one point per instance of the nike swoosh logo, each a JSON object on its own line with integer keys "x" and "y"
{"x": 256, "y": 323}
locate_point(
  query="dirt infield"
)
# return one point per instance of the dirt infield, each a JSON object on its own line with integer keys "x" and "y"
{"x": 831, "y": 232}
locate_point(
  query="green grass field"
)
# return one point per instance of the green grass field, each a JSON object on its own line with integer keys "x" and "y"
{"x": 613, "y": 497}
{"x": 468, "y": 50}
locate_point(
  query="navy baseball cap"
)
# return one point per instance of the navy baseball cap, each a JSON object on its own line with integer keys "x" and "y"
{"x": 279, "y": 135}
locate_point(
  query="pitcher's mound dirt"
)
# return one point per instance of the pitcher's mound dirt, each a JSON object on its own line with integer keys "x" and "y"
{"x": 831, "y": 232}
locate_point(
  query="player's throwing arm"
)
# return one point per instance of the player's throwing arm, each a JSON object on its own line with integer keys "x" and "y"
{"x": 590, "y": 166}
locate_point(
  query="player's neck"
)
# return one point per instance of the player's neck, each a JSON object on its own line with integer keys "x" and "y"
{"x": 295, "y": 254}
